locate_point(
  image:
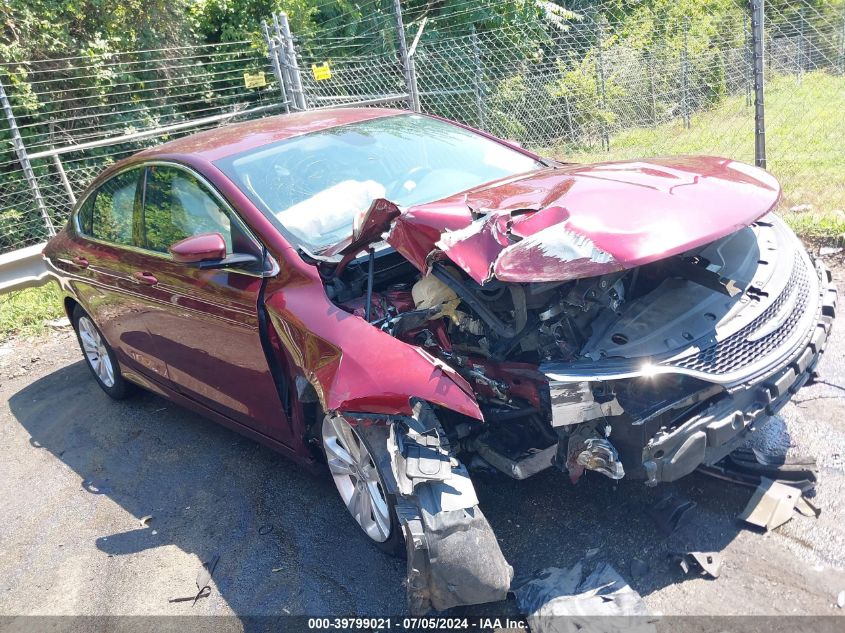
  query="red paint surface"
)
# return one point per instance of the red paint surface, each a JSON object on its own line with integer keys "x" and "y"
{"x": 630, "y": 213}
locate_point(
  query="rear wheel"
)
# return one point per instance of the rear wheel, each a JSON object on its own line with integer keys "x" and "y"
{"x": 356, "y": 468}
{"x": 99, "y": 356}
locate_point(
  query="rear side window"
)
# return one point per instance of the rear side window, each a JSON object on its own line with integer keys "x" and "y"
{"x": 176, "y": 206}
{"x": 109, "y": 213}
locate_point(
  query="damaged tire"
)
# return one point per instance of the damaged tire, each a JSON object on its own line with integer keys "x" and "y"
{"x": 358, "y": 471}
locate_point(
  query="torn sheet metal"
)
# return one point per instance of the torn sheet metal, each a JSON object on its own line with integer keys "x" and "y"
{"x": 561, "y": 601}
{"x": 771, "y": 505}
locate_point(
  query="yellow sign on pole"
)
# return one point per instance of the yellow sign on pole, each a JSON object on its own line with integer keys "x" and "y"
{"x": 255, "y": 81}
{"x": 321, "y": 71}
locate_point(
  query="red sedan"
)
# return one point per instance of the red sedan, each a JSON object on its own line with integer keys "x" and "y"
{"x": 392, "y": 296}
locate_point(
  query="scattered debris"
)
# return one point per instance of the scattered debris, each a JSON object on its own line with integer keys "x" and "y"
{"x": 146, "y": 520}
{"x": 747, "y": 466}
{"x": 639, "y": 568}
{"x": 590, "y": 553}
{"x": 807, "y": 508}
{"x": 563, "y": 592}
{"x": 93, "y": 488}
{"x": 771, "y": 505}
{"x": 826, "y": 251}
{"x": 265, "y": 529}
{"x": 277, "y": 569}
{"x": 709, "y": 563}
{"x": 202, "y": 594}
{"x": 670, "y": 512}
{"x": 204, "y": 576}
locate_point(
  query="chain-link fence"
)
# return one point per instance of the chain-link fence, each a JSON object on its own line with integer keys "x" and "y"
{"x": 598, "y": 85}
{"x": 73, "y": 116}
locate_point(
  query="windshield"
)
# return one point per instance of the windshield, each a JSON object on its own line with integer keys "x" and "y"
{"x": 313, "y": 186}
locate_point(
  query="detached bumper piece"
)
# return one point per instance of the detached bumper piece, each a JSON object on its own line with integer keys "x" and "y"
{"x": 724, "y": 423}
{"x": 453, "y": 556}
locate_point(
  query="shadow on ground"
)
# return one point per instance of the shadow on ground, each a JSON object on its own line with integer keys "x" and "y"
{"x": 212, "y": 492}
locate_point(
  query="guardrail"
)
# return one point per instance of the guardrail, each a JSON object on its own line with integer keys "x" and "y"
{"x": 23, "y": 268}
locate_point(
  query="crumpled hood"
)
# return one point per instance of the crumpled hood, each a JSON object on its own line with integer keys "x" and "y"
{"x": 584, "y": 220}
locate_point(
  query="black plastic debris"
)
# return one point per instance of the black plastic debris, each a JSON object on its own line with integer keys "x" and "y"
{"x": 707, "y": 564}
{"x": 670, "y": 512}
{"x": 747, "y": 467}
{"x": 557, "y": 592}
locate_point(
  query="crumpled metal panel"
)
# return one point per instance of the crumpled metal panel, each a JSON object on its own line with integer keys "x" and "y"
{"x": 579, "y": 221}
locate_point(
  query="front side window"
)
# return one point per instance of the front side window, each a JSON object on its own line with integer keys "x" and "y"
{"x": 176, "y": 206}
{"x": 313, "y": 186}
{"x": 109, "y": 213}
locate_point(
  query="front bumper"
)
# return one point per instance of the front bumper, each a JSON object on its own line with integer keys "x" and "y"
{"x": 726, "y": 420}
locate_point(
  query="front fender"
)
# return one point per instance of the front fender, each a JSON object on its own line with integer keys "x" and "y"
{"x": 352, "y": 365}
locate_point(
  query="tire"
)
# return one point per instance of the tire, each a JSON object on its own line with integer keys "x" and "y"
{"x": 361, "y": 481}
{"x": 99, "y": 356}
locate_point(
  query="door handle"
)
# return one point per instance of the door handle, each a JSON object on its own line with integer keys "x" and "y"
{"x": 145, "y": 278}
{"x": 81, "y": 262}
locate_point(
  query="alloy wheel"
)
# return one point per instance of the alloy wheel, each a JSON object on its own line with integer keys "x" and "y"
{"x": 356, "y": 477}
{"x": 96, "y": 352}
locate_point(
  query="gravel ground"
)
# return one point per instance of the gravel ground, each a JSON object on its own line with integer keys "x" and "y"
{"x": 79, "y": 471}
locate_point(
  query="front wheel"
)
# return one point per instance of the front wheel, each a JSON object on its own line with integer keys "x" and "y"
{"x": 99, "y": 356}
{"x": 357, "y": 471}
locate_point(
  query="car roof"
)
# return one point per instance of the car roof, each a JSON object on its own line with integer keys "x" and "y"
{"x": 235, "y": 138}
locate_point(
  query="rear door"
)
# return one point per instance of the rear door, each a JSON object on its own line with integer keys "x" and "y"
{"x": 102, "y": 258}
{"x": 205, "y": 327}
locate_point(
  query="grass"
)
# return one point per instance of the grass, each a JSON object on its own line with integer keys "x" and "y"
{"x": 805, "y": 143}
{"x": 27, "y": 311}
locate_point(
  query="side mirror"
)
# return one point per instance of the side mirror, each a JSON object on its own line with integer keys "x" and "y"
{"x": 208, "y": 250}
{"x": 199, "y": 248}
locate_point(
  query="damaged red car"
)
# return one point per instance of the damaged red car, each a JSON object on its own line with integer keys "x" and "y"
{"x": 394, "y": 297}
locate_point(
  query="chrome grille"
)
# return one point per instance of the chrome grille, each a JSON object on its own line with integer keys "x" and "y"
{"x": 736, "y": 351}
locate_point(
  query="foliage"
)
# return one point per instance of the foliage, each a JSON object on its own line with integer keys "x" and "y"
{"x": 26, "y": 311}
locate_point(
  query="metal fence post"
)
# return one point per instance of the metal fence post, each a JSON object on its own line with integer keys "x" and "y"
{"x": 26, "y": 166}
{"x": 478, "y": 78}
{"x": 842, "y": 45}
{"x": 757, "y": 35}
{"x": 605, "y": 135}
{"x": 282, "y": 27}
{"x": 652, "y": 88}
{"x": 407, "y": 63}
{"x": 685, "y": 105}
{"x": 274, "y": 62}
{"x": 749, "y": 64}
{"x": 801, "y": 45}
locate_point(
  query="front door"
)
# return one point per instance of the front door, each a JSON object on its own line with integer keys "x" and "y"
{"x": 205, "y": 327}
